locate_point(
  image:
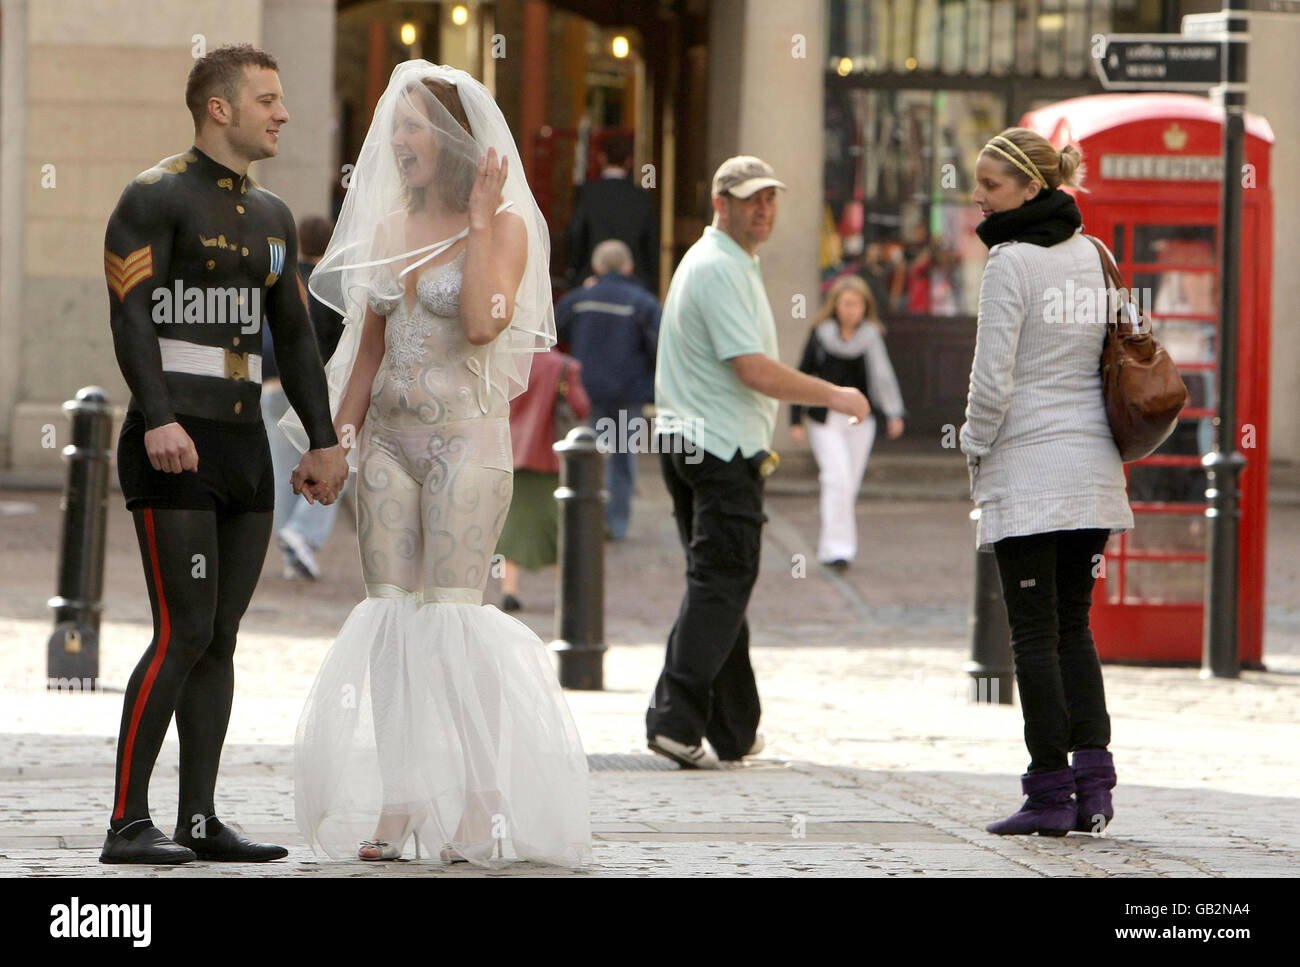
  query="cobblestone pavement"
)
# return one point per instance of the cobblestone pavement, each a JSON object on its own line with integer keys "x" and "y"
{"x": 877, "y": 763}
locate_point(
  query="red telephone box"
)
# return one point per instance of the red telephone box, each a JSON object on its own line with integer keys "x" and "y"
{"x": 1154, "y": 169}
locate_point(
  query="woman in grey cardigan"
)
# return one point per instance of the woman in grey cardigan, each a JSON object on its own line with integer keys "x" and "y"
{"x": 1045, "y": 472}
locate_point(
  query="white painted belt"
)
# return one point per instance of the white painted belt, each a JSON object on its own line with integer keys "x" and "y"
{"x": 179, "y": 356}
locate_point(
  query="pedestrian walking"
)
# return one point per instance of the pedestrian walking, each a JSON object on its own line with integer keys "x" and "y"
{"x": 718, "y": 387}
{"x": 300, "y": 528}
{"x": 530, "y": 538}
{"x": 1045, "y": 471}
{"x": 612, "y": 328}
{"x": 613, "y": 206}
{"x": 846, "y": 347}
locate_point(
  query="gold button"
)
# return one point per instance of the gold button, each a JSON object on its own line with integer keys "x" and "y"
{"x": 240, "y": 209}
{"x": 212, "y": 263}
{"x": 244, "y": 250}
{"x": 239, "y": 406}
{"x": 235, "y": 341}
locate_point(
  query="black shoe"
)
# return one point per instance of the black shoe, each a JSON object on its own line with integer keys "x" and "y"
{"x": 150, "y": 847}
{"x": 510, "y": 603}
{"x": 837, "y": 565}
{"x": 227, "y": 846}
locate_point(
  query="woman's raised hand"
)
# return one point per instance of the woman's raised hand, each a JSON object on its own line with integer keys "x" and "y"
{"x": 485, "y": 196}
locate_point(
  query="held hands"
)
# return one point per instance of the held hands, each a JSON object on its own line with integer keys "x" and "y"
{"x": 485, "y": 196}
{"x": 320, "y": 475}
{"x": 851, "y": 402}
{"x": 170, "y": 449}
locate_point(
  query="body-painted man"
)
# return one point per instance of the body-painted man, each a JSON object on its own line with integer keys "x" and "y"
{"x": 197, "y": 258}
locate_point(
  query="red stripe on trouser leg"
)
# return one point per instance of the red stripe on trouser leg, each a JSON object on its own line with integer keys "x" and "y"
{"x": 142, "y": 697}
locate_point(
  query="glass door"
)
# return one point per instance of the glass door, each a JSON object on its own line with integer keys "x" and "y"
{"x": 1172, "y": 268}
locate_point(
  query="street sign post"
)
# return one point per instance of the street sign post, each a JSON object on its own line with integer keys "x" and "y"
{"x": 1224, "y": 464}
{"x": 1160, "y": 62}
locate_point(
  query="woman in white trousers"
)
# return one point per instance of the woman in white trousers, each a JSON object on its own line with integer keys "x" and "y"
{"x": 846, "y": 347}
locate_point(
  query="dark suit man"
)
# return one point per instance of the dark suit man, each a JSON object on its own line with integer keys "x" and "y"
{"x": 613, "y": 206}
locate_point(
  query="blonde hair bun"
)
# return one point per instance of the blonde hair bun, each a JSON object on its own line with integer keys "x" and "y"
{"x": 1070, "y": 166}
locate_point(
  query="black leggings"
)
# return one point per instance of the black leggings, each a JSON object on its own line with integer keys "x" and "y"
{"x": 201, "y": 568}
{"x": 1047, "y": 584}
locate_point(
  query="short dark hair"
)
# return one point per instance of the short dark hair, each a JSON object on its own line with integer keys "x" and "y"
{"x": 220, "y": 73}
{"x": 314, "y": 233}
{"x": 617, "y": 149}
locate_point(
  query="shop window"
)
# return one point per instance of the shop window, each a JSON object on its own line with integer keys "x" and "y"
{"x": 898, "y": 183}
{"x": 1030, "y": 38}
{"x": 1002, "y": 37}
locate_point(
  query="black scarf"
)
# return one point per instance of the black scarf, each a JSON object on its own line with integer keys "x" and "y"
{"x": 1049, "y": 217}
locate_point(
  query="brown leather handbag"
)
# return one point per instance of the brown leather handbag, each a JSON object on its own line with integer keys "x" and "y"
{"x": 1143, "y": 391}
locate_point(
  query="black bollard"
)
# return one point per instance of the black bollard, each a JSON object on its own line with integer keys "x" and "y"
{"x": 72, "y": 656}
{"x": 991, "y": 668}
{"x": 580, "y": 610}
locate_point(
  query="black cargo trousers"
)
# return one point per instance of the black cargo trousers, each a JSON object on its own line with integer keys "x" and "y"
{"x": 707, "y": 687}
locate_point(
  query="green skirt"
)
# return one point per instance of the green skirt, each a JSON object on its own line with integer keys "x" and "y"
{"x": 531, "y": 534}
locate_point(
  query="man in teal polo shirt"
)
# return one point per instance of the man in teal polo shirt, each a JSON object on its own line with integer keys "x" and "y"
{"x": 718, "y": 386}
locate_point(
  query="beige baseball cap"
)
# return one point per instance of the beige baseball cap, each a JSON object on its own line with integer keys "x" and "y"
{"x": 743, "y": 175}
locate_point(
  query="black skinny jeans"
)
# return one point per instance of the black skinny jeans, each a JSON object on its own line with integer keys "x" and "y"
{"x": 1047, "y": 585}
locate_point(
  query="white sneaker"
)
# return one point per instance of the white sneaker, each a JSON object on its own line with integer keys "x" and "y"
{"x": 754, "y": 749}
{"x": 687, "y": 756}
{"x": 303, "y": 556}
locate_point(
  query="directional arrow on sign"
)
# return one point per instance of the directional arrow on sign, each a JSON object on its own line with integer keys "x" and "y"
{"x": 1160, "y": 62}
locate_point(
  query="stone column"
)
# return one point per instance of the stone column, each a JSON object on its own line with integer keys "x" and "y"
{"x": 299, "y": 34}
{"x": 766, "y": 99}
{"x": 13, "y": 125}
{"x": 1274, "y": 79}
{"x": 101, "y": 98}
{"x": 72, "y": 141}
{"x": 532, "y": 107}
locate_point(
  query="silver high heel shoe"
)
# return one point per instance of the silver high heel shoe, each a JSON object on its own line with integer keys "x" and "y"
{"x": 389, "y": 850}
{"x": 450, "y": 854}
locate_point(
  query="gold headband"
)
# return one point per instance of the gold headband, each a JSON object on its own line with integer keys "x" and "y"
{"x": 1028, "y": 167}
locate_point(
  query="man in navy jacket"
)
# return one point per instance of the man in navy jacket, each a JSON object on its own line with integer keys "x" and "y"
{"x": 612, "y": 328}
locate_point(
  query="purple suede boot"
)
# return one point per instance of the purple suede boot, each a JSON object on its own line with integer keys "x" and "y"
{"x": 1049, "y": 809}
{"x": 1094, "y": 778}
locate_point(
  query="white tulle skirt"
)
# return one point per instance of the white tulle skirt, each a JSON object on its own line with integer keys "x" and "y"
{"x": 448, "y": 720}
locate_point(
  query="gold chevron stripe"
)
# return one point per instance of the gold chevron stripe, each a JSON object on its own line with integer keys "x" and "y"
{"x": 138, "y": 257}
{"x": 124, "y": 274}
{"x": 122, "y": 284}
{"x": 131, "y": 279}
